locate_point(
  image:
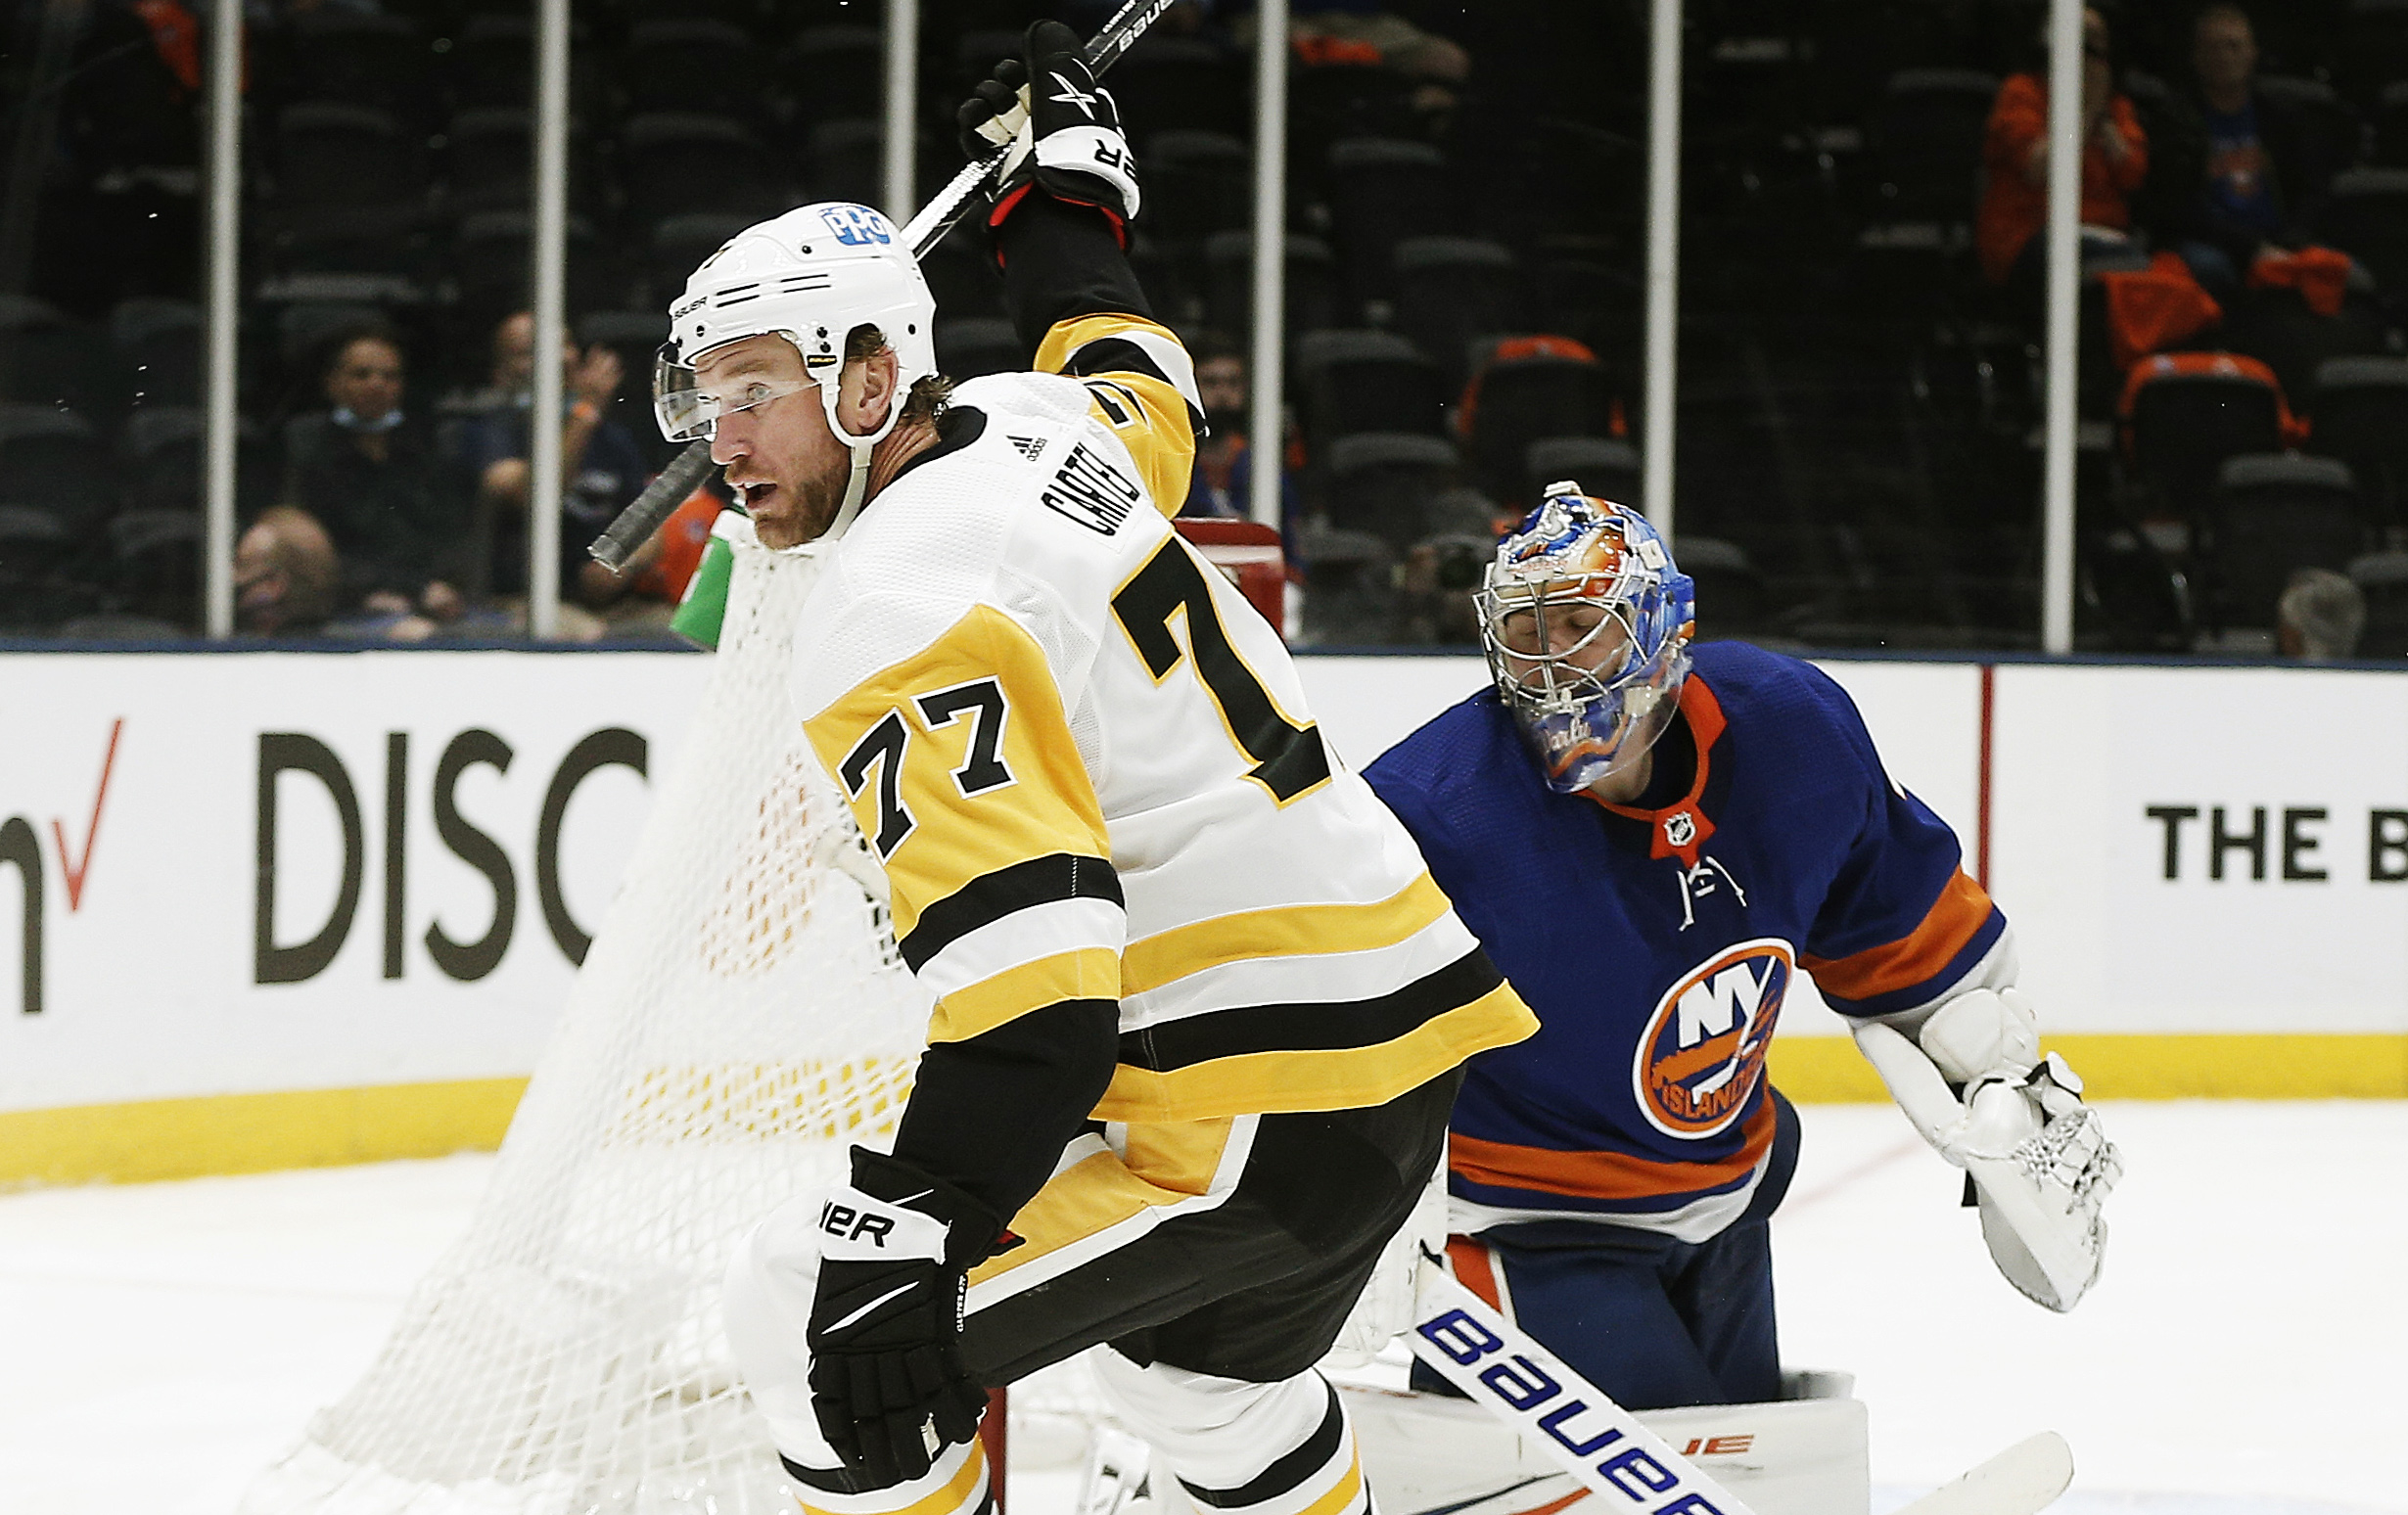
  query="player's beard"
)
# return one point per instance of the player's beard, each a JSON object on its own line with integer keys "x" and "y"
{"x": 800, "y": 509}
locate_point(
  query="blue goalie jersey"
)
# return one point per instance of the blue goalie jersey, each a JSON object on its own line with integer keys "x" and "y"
{"x": 1657, "y": 941}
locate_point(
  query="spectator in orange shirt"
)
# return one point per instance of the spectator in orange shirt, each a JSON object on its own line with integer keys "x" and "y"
{"x": 2015, "y": 203}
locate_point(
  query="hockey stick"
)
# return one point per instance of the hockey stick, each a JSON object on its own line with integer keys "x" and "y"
{"x": 1498, "y": 1365}
{"x": 631, "y": 527}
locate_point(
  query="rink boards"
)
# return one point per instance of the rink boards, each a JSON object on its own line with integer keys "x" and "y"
{"x": 309, "y": 907}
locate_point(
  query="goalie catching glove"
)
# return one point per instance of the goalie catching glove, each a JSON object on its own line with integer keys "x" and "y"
{"x": 1974, "y": 1083}
{"x": 1069, "y": 143}
{"x": 888, "y": 1384}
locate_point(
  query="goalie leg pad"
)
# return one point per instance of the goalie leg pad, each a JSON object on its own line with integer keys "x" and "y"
{"x": 1275, "y": 1449}
{"x": 1423, "y": 1452}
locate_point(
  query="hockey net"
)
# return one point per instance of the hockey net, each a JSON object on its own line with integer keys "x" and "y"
{"x": 741, "y": 1019}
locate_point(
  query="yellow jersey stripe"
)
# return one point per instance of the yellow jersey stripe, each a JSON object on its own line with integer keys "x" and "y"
{"x": 1087, "y": 973}
{"x": 1138, "y": 399}
{"x": 1166, "y": 1166}
{"x": 957, "y": 1494}
{"x": 927, "y": 792}
{"x": 1284, "y": 931}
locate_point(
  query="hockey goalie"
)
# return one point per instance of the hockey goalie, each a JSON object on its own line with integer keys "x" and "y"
{"x": 1714, "y": 820}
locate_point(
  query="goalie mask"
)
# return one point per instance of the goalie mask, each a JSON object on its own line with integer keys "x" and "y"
{"x": 1586, "y": 622}
{"x": 809, "y": 276}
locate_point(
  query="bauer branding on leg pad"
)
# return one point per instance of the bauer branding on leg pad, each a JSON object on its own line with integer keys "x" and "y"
{"x": 1586, "y": 1433}
{"x": 1630, "y": 1462}
{"x": 1425, "y": 1453}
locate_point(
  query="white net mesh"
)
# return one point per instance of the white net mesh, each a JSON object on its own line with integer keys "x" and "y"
{"x": 741, "y": 1019}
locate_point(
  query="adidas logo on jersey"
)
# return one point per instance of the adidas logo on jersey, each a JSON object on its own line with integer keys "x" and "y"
{"x": 1030, "y": 447}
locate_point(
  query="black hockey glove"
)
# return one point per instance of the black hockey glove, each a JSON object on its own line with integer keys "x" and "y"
{"x": 887, "y": 1384}
{"x": 1072, "y": 147}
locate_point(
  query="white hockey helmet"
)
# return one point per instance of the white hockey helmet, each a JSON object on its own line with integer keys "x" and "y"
{"x": 811, "y": 276}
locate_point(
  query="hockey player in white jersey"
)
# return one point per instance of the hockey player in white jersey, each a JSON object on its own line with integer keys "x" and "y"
{"x": 1200, "y": 1009}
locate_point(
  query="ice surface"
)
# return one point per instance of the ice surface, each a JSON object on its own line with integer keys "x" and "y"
{"x": 2241, "y": 1357}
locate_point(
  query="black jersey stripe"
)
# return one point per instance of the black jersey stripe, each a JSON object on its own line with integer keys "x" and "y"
{"x": 992, "y": 895}
{"x": 1286, "y": 1474}
{"x": 1310, "y": 1025}
{"x": 1108, "y": 355}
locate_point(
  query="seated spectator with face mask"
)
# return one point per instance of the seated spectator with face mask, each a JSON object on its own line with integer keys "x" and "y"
{"x": 392, "y": 506}
{"x": 602, "y": 467}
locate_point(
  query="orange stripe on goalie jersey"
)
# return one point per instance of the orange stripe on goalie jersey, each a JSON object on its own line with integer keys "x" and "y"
{"x": 1914, "y": 959}
{"x": 1144, "y": 410}
{"x": 1042, "y": 806}
{"x": 1608, "y": 1175}
{"x": 1474, "y": 1268}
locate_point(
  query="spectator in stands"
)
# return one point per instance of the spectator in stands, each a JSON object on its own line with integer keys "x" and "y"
{"x": 1221, "y": 483}
{"x": 284, "y": 575}
{"x": 2319, "y": 616}
{"x": 2014, "y": 201}
{"x": 2234, "y": 158}
{"x": 389, "y": 503}
{"x": 602, "y": 469}
{"x": 1359, "y": 33}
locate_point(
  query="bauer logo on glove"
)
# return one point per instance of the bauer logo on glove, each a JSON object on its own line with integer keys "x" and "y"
{"x": 1064, "y": 130}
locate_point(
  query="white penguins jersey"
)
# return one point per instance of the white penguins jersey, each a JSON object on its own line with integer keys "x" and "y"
{"x": 1087, "y": 765}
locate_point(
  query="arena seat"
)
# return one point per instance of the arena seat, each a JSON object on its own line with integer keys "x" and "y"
{"x": 358, "y": 58}
{"x": 332, "y": 156}
{"x": 845, "y": 67}
{"x": 1454, "y": 290}
{"x": 2185, "y": 413}
{"x": 2365, "y": 216}
{"x": 1165, "y": 83}
{"x": 2372, "y": 48}
{"x": 1380, "y": 192}
{"x": 52, "y": 461}
{"x": 1602, "y": 465}
{"x": 1383, "y": 482}
{"x": 1349, "y": 382}
{"x": 48, "y": 359}
{"x": 158, "y": 345}
{"x": 2382, "y": 577}
{"x": 1926, "y": 139}
{"x": 1530, "y": 389}
{"x": 1197, "y": 183}
{"x": 679, "y": 164}
{"x": 691, "y": 64}
{"x": 2361, "y": 417}
{"x": 1311, "y": 301}
{"x": 2275, "y": 514}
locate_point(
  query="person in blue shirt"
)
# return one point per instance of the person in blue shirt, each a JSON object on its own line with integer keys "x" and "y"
{"x": 2239, "y": 167}
{"x": 1654, "y": 839}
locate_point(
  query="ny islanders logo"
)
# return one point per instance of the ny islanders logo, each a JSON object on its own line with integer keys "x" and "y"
{"x": 1702, "y": 1053}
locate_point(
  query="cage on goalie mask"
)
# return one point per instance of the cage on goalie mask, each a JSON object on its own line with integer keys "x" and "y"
{"x": 811, "y": 276}
{"x": 1586, "y": 622}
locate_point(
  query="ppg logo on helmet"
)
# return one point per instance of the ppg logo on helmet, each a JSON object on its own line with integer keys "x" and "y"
{"x": 858, "y": 226}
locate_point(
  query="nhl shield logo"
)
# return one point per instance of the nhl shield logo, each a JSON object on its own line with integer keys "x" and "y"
{"x": 1680, "y": 828}
{"x": 1701, "y": 1055}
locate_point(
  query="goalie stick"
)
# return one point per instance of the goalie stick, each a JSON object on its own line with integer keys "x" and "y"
{"x": 1498, "y": 1365}
{"x": 631, "y": 527}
